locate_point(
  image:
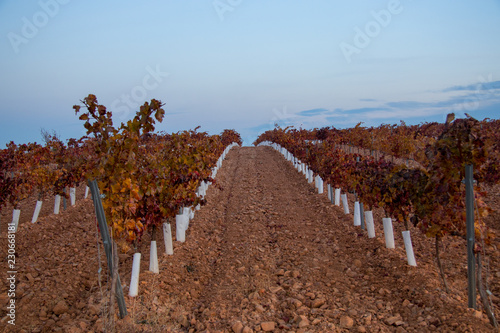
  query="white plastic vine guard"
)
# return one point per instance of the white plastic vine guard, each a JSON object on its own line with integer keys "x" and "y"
{"x": 409, "y": 248}
{"x": 134, "y": 280}
{"x": 153, "y": 258}
{"x": 370, "y": 226}
{"x": 167, "y": 236}
{"x": 388, "y": 233}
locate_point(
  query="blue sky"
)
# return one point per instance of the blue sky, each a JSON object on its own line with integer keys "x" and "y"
{"x": 245, "y": 64}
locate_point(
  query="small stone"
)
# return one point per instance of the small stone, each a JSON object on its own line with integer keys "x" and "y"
{"x": 303, "y": 310}
{"x": 478, "y": 314}
{"x": 237, "y": 327}
{"x": 296, "y": 303}
{"x": 268, "y": 326}
{"x": 302, "y": 321}
{"x": 352, "y": 313}
{"x": 50, "y": 323}
{"x": 317, "y": 303}
{"x": 183, "y": 321}
{"x": 60, "y": 308}
{"x": 94, "y": 309}
{"x": 194, "y": 293}
{"x": 346, "y": 321}
{"x": 275, "y": 290}
{"x": 351, "y": 273}
{"x": 73, "y": 329}
{"x": 247, "y": 329}
{"x": 311, "y": 295}
{"x": 357, "y": 263}
{"x": 406, "y": 302}
{"x": 361, "y": 329}
{"x": 391, "y": 320}
{"x": 99, "y": 325}
{"x": 83, "y": 325}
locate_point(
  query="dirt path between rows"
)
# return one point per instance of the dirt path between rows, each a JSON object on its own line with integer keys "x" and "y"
{"x": 267, "y": 253}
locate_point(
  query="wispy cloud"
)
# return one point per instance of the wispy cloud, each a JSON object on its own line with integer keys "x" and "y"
{"x": 407, "y": 104}
{"x": 313, "y": 112}
{"x": 475, "y": 86}
{"x": 366, "y": 110}
{"x": 479, "y": 100}
{"x": 474, "y": 97}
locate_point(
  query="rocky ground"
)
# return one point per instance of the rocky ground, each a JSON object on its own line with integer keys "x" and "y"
{"x": 267, "y": 253}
